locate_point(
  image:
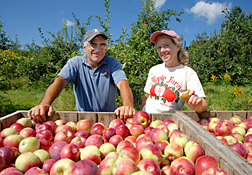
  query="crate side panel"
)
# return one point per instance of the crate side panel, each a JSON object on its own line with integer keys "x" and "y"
{"x": 91, "y": 116}
{"x": 249, "y": 114}
{"x": 224, "y": 115}
{"x": 242, "y": 114}
{"x": 8, "y": 120}
{"x": 67, "y": 116}
{"x": 105, "y": 117}
{"x": 161, "y": 116}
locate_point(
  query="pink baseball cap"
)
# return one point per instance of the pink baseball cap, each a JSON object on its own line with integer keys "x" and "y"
{"x": 170, "y": 33}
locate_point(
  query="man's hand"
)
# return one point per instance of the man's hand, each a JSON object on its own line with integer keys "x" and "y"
{"x": 125, "y": 112}
{"x": 38, "y": 113}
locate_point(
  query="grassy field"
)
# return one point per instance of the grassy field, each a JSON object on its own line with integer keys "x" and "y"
{"x": 219, "y": 98}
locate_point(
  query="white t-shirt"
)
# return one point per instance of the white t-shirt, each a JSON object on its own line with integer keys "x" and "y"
{"x": 165, "y": 86}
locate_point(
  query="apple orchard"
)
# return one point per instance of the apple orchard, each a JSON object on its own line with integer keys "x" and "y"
{"x": 136, "y": 146}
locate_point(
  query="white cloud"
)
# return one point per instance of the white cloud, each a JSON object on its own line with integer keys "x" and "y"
{"x": 209, "y": 11}
{"x": 159, "y": 3}
{"x": 68, "y": 22}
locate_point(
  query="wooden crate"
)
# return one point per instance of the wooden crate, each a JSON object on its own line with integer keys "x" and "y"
{"x": 228, "y": 160}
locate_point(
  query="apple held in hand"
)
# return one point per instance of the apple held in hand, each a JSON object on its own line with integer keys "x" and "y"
{"x": 141, "y": 118}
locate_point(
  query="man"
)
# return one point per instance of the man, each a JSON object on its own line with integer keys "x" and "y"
{"x": 96, "y": 78}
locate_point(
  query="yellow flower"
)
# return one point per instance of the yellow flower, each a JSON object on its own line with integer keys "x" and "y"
{"x": 227, "y": 77}
{"x": 214, "y": 78}
{"x": 249, "y": 98}
{"x": 238, "y": 91}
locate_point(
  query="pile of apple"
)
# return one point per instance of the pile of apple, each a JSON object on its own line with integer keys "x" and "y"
{"x": 235, "y": 132}
{"x": 135, "y": 146}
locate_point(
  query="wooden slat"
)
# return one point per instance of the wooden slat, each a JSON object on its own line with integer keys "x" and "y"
{"x": 105, "y": 117}
{"x": 91, "y": 116}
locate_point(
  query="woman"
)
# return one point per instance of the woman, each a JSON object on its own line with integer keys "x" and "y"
{"x": 168, "y": 80}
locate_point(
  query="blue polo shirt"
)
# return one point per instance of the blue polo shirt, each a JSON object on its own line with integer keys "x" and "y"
{"x": 95, "y": 90}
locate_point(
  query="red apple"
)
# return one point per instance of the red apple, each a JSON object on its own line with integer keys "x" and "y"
{"x": 55, "y": 149}
{"x": 238, "y": 136}
{"x": 27, "y": 132}
{"x": 2, "y": 163}
{"x": 115, "y": 123}
{"x": 151, "y": 151}
{"x": 124, "y": 166}
{"x": 35, "y": 170}
{"x": 222, "y": 139}
{"x": 131, "y": 138}
{"x": 158, "y": 134}
{"x": 12, "y": 140}
{"x": 44, "y": 134}
{"x": 60, "y": 122}
{"x": 173, "y": 151}
{"x": 123, "y": 131}
{"x": 108, "y": 133}
{"x": 106, "y": 148}
{"x": 72, "y": 125}
{"x": 7, "y": 153}
{"x": 106, "y": 165}
{"x": 7, "y": 131}
{"x": 147, "y": 130}
{"x": 172, "y": 126}
{"x": 130, "y": 152}
{"x": 84, "y": 134}
{"x": 14, "y": 172}
{"x": 214, "y": 170}
{"x": 8, "y": 169}
{"x": 84, "y": 125}
{"x": 64, "y": 135}
{"x": 244, "y": 125}
{"x": 95, "y": 140}
{"x": 1, "y": 142}
{"x": 92, "y": 153}
{"x": 239, "y": 148}
{"x": 203, "y": 121}
{"x": 79, "y": 141}
{"x": 166, "y": 170}
{"x": 45, "y": 144}
{"x": 136, "y": 130}
{"x": 115, "y": 140}
{"x": 182, "y": 166}
{"x": 62, "y": 166}
{"x": 161, "y": 145}
{"x": 230, "y": 139}
{"x": 52, "y": 124}
{"x": 193, "y": 150}
{"x": 17, "y": 126}
{"x": 180, "y": 139}
{"x": 212, "y": 125}
{"x": 222, "y": 129}
{"x": 98, "y": 128}
{"x": 164, "y": 128}
{"x": 205, "y": 162}
{"x": 122, "y": 144}
{"x": 63, "y": 128}
{"x": 85, "y": 167}
{"x": 70, "y": 151}
{"x": 47, "y": 165}
{"x": 43, "y": 127}
{"x": 247, "y": 138}
{"x": 141, "y": 118}
{"x": 149, "y": 165}
{"x": 16, "y": 152}
{"x": 166, "y": 122}
{"x": 140, "y": 143}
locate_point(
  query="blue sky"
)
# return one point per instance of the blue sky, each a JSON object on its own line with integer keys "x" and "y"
{"x": 24, "y": 17}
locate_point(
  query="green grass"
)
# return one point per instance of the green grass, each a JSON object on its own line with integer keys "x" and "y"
{"x": 219, "y": 98}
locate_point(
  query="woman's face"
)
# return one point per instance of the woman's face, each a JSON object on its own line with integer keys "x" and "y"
{"x": 167, "y": 51}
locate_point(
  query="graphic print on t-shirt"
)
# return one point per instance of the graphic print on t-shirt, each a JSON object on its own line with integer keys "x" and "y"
{"x": 160, "y": 90}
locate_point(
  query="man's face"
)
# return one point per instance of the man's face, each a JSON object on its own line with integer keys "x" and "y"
{"x": 95, "y": 51}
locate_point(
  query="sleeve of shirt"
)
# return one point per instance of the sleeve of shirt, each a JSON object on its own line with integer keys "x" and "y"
{"x": 117, "y": 72}
{"x": 69, "y": 71}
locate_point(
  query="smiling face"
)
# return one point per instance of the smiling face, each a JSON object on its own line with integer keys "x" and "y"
{"x": 95, "y": 55}
{"x": 167, "y": 51}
